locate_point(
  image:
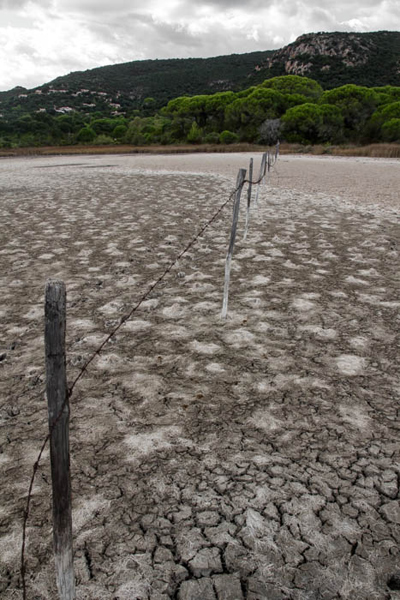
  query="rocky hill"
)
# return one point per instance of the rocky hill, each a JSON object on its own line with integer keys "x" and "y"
{"x": 332, "y": 59}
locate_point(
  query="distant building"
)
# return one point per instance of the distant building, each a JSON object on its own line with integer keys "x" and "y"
{"x": 64, "y": 109}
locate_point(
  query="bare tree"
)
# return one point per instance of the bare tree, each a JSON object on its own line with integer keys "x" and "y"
{"x": 269, "y": 131}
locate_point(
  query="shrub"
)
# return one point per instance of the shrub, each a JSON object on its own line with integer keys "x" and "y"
{"x": 120, "y": 131}
{"x": 211, "y": 138}
{"x": 28, "y": 139}
{"x": 228, "y": 137}
{"x": 195, "y": 134}
{"x": 86, "y": 135}
{"x": 103, "y": 125}
{"x": 103, "y": 140}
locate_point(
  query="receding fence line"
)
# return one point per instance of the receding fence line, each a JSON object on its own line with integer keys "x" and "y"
{"x": 59, "y": 394}
{"x": 267, "y": 162}
{"x": 84, "y": 368}
{"x": 239, "y": 186}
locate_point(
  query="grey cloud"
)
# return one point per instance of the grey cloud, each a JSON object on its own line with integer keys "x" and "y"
{"x": 346, "y": 8}
{"x": 226, "y": 4}
{"x": 176, "y": 35}
{"x": 322, "y": 17}
{"x": 101, "y": 6}
{"x": 24, "y": 49}
{"x": 12, "y": 4}
{"x": 154, "y": 39}
{"x": 162, "y": 40}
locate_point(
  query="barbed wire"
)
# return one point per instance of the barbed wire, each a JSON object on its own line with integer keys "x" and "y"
{"x": 99, "y": 349}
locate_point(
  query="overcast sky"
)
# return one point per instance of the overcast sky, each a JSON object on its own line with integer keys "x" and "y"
{"x": 42, "y": 39}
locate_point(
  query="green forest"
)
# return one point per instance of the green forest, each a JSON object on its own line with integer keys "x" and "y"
{"x": 289, "y": 108}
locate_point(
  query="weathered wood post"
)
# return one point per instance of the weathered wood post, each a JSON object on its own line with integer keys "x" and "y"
{"x": 269, "y": 165}
{"x": 58, "y": 409}
{"x": 236, "y": 206}
{"x": 261, "y": 176}
{"x": 249, "y": 189}
{"x": 266, "y": 167}
{"x": 277, "y": 151}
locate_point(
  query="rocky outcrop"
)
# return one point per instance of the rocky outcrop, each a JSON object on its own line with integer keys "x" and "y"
{"x": 299, "y": 58}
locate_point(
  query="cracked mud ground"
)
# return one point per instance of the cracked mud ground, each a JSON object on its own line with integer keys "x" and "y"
{"x": 253, "y": 458}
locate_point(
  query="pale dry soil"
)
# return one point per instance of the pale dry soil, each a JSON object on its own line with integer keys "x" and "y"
{"x": 256, "y": 457}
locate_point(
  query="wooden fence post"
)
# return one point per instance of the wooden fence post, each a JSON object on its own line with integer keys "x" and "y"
{"x": 266, "y": 160}
{"x": 269, "y": 165}
{"x": 261, "y": 176}
{"x": 236, "y": 206}
{"x": 277, "y": 151}
{"x": 58, "y": 409}
{"x": 248, "y": 198}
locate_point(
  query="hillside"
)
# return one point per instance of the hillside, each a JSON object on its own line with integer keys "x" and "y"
{"x": 124, "y": 87}
{"x": 332, "y": 59}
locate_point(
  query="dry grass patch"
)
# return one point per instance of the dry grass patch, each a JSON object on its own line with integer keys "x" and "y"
{"x": 371, "y": 150}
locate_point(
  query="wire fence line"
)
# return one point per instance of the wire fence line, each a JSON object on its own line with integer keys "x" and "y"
{"x": 266, "y": 164}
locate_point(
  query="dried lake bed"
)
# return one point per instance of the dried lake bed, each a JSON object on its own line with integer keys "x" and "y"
{"x": 256, "y": 457}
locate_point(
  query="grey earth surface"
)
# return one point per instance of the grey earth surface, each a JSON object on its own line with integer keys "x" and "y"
{"x": 256, "y": 457}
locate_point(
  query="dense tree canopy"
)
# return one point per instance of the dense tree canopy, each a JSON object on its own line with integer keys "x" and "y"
{"x": 391, "y": 130}
{"x": 357, "y": 104}
{"x": 294, "y": 84}
{"x": 291, "y": 107}
{"x": 245, "y": 115}
{"x": 313, "y": 124}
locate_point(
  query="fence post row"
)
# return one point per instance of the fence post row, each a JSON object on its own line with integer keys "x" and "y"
{"x": 239, "y": 186}
{"x": 267, "y": 162}
{"x": 58, "y": 401}
{"x": 58, "y": 410}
